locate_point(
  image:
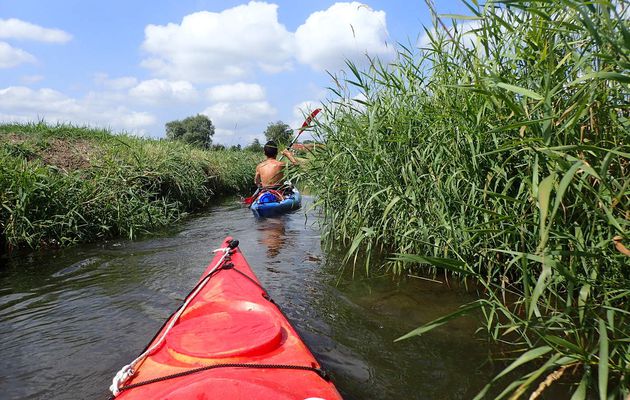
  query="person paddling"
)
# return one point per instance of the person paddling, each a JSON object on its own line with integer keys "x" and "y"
{"x": 270, "y": 173}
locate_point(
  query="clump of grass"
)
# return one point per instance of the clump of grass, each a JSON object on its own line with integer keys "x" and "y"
{"x": 500, "y": 153}
{"x": 63, "y": 184}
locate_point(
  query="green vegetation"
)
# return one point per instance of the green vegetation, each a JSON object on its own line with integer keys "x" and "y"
{"x": 62, "y": 184}
{"x": 197, "y": 131}
{"x": 254, "y": 147}
{"x": 280, "y": 133}
{"x": 500, "y": 155}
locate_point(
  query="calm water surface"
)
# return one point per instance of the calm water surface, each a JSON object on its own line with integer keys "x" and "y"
{"x": 69, "y": 319}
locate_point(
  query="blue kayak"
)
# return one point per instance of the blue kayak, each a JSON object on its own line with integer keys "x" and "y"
{"x": 267, "y": 204}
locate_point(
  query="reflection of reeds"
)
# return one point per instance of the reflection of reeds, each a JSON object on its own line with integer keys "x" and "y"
{"x": 500, "y": 154}
{"x": 60, "y": 185}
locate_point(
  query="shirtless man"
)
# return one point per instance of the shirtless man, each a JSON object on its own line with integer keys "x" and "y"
{"x": 269, "y": 173}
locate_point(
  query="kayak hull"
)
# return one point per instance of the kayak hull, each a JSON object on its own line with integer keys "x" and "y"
{"x": 288, "y": 204}
{"x": 230, "y": 342}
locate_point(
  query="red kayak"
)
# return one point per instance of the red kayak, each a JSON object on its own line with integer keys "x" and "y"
{"x": 228, "y": 341}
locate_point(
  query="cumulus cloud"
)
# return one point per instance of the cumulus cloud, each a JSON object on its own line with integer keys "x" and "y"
{"x": 17, "y": 29}
{"x": 21, "y": 104}
{"x": 155, "y": 91}
{"x": 209, "y": 47}
{"x": 204, "y": 47}
{"x": 229, "y": 137}
{"x": 121, "y": 83}
{"x": 236, "y": 115}
{"x": 13, "y": 28}
{"x": 236, "y": 110}
{"x": 32, "y": 78}
{"x": 467, "y": 30}
{"x": 11, "y": 57}
{"x": 236, "y": 92}
{"x": 343, "y": 31}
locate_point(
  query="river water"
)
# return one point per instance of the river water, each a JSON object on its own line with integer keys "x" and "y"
{"x": 69, "y": 319}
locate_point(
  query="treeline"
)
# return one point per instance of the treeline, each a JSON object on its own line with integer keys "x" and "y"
{"x": 500, "y": 153}
{"x": 63, "y": 184}
{"x": 198, "y": 131}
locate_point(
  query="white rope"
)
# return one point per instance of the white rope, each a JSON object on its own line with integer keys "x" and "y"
{"x": 128, "y": 370}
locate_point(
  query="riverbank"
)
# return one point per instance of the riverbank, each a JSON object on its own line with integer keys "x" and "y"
{"x": 499, "y": 156}
{"x": 63, "y": 184}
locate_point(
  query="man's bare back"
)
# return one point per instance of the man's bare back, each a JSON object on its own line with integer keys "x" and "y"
{"x": 271, "y": 171}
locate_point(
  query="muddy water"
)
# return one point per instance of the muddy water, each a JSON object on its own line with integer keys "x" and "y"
{"x": 69, "y": 319}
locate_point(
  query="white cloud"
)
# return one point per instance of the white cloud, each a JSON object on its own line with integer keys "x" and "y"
{"x": 13, "y": 28}
{"x": 44, "y": 100}
{"x": 343, "y": 31}
{"x": 22, "y": 104}
{"x": 239, "y": 115}
{"x": 238, "y": 110}
{"x": 236, "y": 92}
{"x": 32, "y": 78}
{"x": 11, "y": 57}
{"x": 155, "y": 91}
{"x": 225, "y": 136}
{"x": 17, "y": 29}
{"x": 466, "y": 29}
{"x": 210, "y": 47}
{"x": 121, "y": 83}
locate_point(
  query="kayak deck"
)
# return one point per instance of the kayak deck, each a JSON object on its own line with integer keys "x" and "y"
{"x": 232, "y": 341}
{"x": 270, "y": 209}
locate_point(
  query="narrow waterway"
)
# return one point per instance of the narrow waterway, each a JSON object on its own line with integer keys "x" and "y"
{"x": 69, "y": 319}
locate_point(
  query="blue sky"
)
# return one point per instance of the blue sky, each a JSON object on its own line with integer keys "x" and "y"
{"x": 135, "y": 65}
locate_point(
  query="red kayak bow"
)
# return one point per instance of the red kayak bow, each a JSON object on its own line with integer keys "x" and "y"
{"x": 228, "y": 341}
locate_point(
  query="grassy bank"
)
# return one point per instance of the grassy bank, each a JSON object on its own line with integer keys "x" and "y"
{"x": 62, "y": 184}
{"x": 500, "y": 153}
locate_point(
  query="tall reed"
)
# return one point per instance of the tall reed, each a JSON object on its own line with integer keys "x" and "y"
{"x": 63, "y": 184}
{"x": 500, "y": 153}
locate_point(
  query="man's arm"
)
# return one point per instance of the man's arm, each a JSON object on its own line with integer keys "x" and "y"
{"x": 289, "y": 155}
{"x": 257, "y": 179}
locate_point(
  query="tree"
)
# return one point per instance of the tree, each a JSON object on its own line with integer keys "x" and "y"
{"x": 197, "y": 130}
{"x": 279, "y": 132}
{"x": 255, "y": 147}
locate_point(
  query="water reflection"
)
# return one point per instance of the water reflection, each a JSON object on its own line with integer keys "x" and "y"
{"x": 272, "y": 235}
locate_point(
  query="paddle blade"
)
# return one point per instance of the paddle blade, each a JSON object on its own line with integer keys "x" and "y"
{"x": 309, "y": 119}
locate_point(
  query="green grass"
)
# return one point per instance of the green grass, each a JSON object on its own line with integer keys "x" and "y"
{"x": 505, "y": 161}
{"x": 62, "y": 184}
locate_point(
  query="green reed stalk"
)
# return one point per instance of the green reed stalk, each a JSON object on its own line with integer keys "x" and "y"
{"x": 500, "y": 153}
